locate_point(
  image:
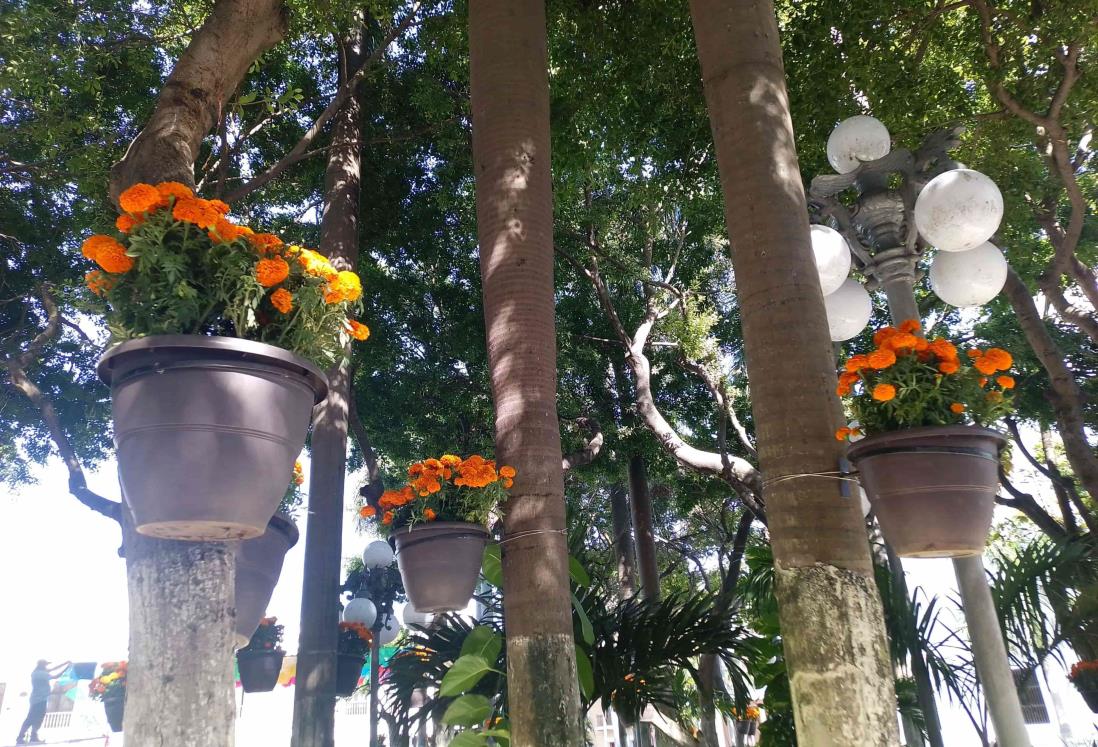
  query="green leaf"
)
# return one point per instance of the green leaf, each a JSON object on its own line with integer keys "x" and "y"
{"x": 586, "y": 673}
{"x": 484, "y": 642}
{"x": 579, "y": 574}
{"x": 502, "y": 736}
{"x": 469, "y": 739}
{"x": 468, "y": 710}
{"x": 586, "y": 630}
{"x": 492, "y": 566}
{"x": 464, "y": 674}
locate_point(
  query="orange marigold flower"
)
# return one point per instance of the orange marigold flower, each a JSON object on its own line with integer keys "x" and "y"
{"x": 901, "y": 341}
{"x": 226, "y": 231}
{"x": 842, "y": 434}
{"x": 507, "y": 471}
{"x": 921, "y": 344}
{"x": 196, "y": 211}
{"x": 282, "y": 300}
{"x": 985, "y": 365}
{"x": 884, "y": 392}
{"x": 358, "y": 330}
{"x": 910, "y": 325}
{"x": 265, "y": 243}
{"x": 943, "y": 348}
{"x": 387, "y": 518}
{"x": 271, "y": 271}
{"x": 957, "y": 407}
{"x": 508, "y": 482}
{"x": 882, "y": 358}
{"x": 91, "y": 246}
{"x": 1001, "y": 358}
{"x": 1006, "y": 382}
{"x": 174, "y": 189}
{"x": 974, "y": 353}
{"x": 883, "y": 334}
{"x": 429, "y": 514}
{"x": 140, "y": 198}
{"x": 98, "y": 283}
{"x": 949, "y": 367}
{"x": 983, "y": 381}
{"x": 126, "y": 223}
{"x": 219, "y": 206}
{"x": 112, "y": 257}
{"x": 367, "y": 511}
{"x": 856, "y": 363}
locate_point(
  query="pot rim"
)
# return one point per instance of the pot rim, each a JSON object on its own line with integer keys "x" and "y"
{"x": 257, "y": 654}
{"x": 898, "y": 437}
{"x": 231, "y": 348}
{"x": 440, "y": 525}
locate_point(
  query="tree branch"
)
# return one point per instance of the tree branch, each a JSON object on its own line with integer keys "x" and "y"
{"x": 590, "y": 450}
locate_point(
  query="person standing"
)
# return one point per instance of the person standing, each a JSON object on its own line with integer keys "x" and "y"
{"x": 41, "y": 679}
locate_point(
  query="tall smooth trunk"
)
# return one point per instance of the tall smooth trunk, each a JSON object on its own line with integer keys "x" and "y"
{"x": 509, "y": 84}
{"x": 830, "y": 613}
{"x": 640, "y": 501}
{"x": 314, "y": 694}
{"x": 625, "y": 550}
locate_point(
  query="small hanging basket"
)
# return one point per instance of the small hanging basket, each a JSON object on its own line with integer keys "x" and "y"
{"x": 348, "y": 671}
{"x": 932, "y": 489}
{"x": 439, "y": 563}
{"x": 115, "y": 709}
{"x": 259, "y": 670}
{"x": 207, "y": 430}
{"x": 258, "y": 566}
{"x": 1091, "y": 697}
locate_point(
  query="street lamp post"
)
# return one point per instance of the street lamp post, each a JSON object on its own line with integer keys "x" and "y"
{"x": 887, "y": 230}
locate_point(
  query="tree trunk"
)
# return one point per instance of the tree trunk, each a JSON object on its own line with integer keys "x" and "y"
{"x": 179, "y": 688}
{"x": 640, "y": 500}
{"x": 236, "y": 33}
{"x": 706, "y": 682}
{"x": 509, "y": 85}
{"x": 830, "y": 613}
{"x": 314, "y": 695}
{"x": 624, "y": 548}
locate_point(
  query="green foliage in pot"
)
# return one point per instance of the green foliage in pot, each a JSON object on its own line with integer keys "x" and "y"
{"x": 354, "y": 639}
{"x": 266, "y": 638}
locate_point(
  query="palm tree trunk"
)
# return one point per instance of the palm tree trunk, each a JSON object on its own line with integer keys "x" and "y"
{"x": 640, "y": 500}
{"x": 509, "y": 85}
{"x": 314, "y": 695}
{"x": 830, "y": 613}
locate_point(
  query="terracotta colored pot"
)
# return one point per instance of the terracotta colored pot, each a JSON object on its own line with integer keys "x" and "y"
{"x": 259, "y": 670}
{"x": 932, "y": 489}
{"x": 258, "y": 566}
{"x": 207, "y": 430}
{"x": 439, "y": 563}
{"x": 348, "y": 670}
{"x": 1091, "y": 697}
{"x": 115, "y": 709}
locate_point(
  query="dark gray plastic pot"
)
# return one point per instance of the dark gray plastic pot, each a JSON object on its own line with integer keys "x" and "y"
{"x": 206, "y": 431}
{"x": 439, "y": 563}
{"x": 258, "y": 566}
{"x": 259, "y": 670}
{"x": 932, "y": 489}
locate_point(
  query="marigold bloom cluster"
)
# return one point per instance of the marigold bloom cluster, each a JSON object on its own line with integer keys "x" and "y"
{"x": 1086, "y": 669}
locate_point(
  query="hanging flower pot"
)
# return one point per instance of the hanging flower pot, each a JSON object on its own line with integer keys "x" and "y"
{"x": 929, "y": 465}
{"x": 259, "y": 669}
{"x": 258, "y": 566}
{"x": 115, "y": 709}
{"x": 1084, "y": 675}
{"x": 439, "y": 563}
{"x": 207, "y": 430}
{"x": 348, "y": 671}
{"x": 932, "y": 489}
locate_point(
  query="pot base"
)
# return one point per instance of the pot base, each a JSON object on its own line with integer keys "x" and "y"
{"x": 199, "y": 531}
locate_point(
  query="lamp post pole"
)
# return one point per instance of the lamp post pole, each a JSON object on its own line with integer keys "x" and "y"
{"x": 882, "y": 236}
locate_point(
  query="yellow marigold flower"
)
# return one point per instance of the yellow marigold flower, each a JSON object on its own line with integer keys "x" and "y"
{"x": 220, "y": 206}
{"x": 358, "y": 330}
{"x": 177, "y": 190}
{"x": 450, "y": 460}
{"x": 140, "y": 198}
{"x": 1001, "y": 359}
{"x": 126, "y": 223}
{"x": 506, "y": 471}
{"x": 282, "y": 300}
{"x": 884, "y": 392}
{"x": 271, "y": 271}
{"x": 316, "y": 264}
{"x": 1006, "y": 382}
{"x": 881, "y": 359}
{"x": 345, "y": 286}
{"x": 196, "y": 211}
{"x": 949, "y": 367}
{"x": 111, "y": 256}
{"x": 957, "y": 407}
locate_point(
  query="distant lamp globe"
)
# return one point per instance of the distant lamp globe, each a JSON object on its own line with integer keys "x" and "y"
{"x": 958, "y": 210}
{"x": 360, "y": 610}
{"x": 832, "y": 255}
{"x": 848, "y": 310}
{"x": 377, "y": 554}
{"x": 388, "y": 631}
{"x": 412, "y": 616}
{"x": 969, "y": 278}
{"x": 858, "y": 139}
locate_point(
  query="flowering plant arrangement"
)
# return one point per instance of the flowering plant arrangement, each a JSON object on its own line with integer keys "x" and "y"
{"x": 908, "y": 381}
{"x": 111, "y": 682}
{"x": 267, "y": 637}
{"x": 180, "y": 266}
{"x": 448, "y": 489}
{"x": 354, "y": 639}
{"x": 293, "y": 498}
{"x": 1084, "y": 675}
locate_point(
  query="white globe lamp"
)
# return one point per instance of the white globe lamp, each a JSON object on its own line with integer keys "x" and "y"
{"x": 412, "y": 616}
{"x": 848, "y": 310}
{"x": 832, "y": 256}
{"x": 959, "y": 210}
{"x": 377, "y": 554}
{"x": 388, "y": 631}
{"x": 969, "y": 278}
{"x": 360, "y": 610}
{"x": 858, "y": 139}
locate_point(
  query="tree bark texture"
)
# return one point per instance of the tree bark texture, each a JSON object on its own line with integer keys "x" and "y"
{"x": 234, "y": 35}
{"x": 830, "y": 612}
{"x": 314, "y": 694}
{"x": 179, "y": 688}
{"x": 640, "y": 500}
{"x": 625, "y": 549}
{"x": 509, "y": 85}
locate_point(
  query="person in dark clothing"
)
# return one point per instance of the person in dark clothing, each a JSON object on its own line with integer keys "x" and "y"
{"x": 41, "y": 684}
